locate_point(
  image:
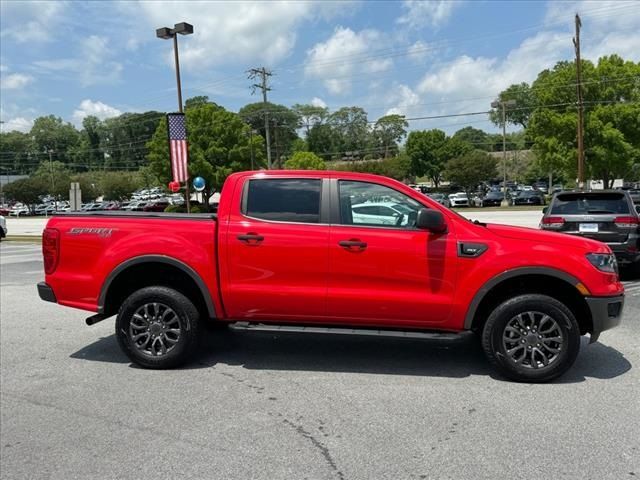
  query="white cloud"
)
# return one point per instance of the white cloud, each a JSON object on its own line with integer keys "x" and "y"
{"x": 318, "y": 102}
{"x": 94, "y": 64}
{"x": 343, "y": 55}
{"x": 15, "y": 81}
{"x": 97, "y": 109}
{"x": 234, "y": 32}
{"x": 404, "y": 100}
{"x": 419, "y": 51}
{"x": 19, "y": 124}
{"x": 426, "y": 13}
{"x": 483, "y": 76}
{"x": 33, "y": 21}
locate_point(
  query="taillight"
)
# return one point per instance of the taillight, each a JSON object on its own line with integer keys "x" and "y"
{"x": 627, "y": 222}
{"x": 50, "y": 249}
{"x": 553, "y": 222}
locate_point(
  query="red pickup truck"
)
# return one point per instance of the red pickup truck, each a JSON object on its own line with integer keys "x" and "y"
{"x": 333, "y": 252}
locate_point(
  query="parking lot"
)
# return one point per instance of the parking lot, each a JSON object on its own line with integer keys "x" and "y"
{"x": 285, "y": 406}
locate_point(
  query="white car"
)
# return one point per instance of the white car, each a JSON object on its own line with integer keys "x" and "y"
{"x": 459, "y": 199}
{"x": 19, "y": 210}
{"x": 3, "y": 227}
{"x": 380, "y": 213}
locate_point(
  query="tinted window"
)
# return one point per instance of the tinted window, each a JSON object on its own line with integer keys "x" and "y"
{"x": 284, "y": 200}
{"x": 363, "y": 203}
{"x": 590, "y": 203}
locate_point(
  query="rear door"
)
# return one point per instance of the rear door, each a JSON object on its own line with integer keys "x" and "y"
{"x": 596, "y": 215}
{"x": 386, "y": 275}
{"x": 277, "y": 250}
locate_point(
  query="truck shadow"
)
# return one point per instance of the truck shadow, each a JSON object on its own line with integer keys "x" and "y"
{"x": 352, "y": 354}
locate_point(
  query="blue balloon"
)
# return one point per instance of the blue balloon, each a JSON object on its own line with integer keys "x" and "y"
{"x": 199, "y": 184}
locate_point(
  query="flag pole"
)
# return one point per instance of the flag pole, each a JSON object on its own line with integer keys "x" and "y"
{"x": 180, "y": 109}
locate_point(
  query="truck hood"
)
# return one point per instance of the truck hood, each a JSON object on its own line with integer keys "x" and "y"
{"x": 542, "y": 236}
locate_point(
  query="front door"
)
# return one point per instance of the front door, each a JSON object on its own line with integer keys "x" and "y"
{"x": 385, "y": 271}
{"x": 277, "y": 251}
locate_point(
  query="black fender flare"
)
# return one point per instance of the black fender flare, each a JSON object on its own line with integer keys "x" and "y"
{"x": 516, "y": 272}
{"x": 157, "y": 259}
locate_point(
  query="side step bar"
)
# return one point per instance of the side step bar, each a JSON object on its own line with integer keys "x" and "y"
{"x": 262, "y": 327}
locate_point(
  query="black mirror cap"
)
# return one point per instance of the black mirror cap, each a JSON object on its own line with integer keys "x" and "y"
{"x": 431, "y": 220}
{"x": 545, "y": 209}
{"x": 638, "y": 208}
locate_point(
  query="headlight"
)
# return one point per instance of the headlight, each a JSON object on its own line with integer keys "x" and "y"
{"x": 605, "y": 262}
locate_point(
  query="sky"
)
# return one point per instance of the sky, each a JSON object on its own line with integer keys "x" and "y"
{"x": 415, "y": 58}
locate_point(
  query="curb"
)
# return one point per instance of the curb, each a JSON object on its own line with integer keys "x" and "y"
{"x": 23, "y": 238}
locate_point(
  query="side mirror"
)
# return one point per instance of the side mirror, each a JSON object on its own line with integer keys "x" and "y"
{"x": 545, "y": 209}
{"x": 638, "y": 208}
{"x": 431, "y": 220}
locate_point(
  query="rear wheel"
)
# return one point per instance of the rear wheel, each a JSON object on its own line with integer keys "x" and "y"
{"x": 531, "y": 338}
{"x": 157, "y": 327}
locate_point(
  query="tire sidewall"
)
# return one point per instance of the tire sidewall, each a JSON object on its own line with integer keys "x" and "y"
{"x": 500, "y": 317}
{"x": 187, "y": 316}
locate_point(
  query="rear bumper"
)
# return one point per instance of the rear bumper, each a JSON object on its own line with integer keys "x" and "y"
{"x": 606, "y": 313}
{"x": 46, "y": 293}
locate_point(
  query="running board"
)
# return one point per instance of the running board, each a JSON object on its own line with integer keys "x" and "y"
{"x": 262, "y": 327}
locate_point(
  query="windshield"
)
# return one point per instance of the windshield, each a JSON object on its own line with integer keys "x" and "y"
{"x": 590, "y": 203}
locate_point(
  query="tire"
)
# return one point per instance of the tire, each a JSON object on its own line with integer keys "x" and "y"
{"x": 175, "y": 326}
{"x": 523, "y": 332}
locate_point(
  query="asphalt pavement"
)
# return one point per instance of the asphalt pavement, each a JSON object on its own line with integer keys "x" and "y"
{"x": 264, "y": 406}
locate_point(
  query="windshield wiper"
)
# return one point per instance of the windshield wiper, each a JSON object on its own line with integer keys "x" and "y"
{"x": 599, "y": 211}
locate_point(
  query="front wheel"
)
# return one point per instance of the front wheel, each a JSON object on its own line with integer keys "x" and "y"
{"x": 157, "y": 327}
{"x": 531, "y": 338}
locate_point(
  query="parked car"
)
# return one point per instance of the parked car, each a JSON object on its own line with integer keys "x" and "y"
{"x": 156, "y": 206}
{"x": 19, "y": 211}
{"x": 3, "y": 227}
{"x": 528, "y": 197}
{"x": 492, "y": 199}
{"x": 380, "y": 213}
{"x": 441, "y": 198}
{"x": 459, "y": 199}
{"x": 5, "y": 211}
{"x": 605, "y": 215}
{"x": 287, "y": 252}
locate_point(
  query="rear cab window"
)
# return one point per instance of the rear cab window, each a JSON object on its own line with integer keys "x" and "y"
{"x": 294, "y": 200}
{"x": 590, "y": 203}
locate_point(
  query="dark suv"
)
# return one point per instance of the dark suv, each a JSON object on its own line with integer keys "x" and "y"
{"x": 607, "y": 215}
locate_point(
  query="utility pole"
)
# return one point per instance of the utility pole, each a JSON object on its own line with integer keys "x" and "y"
{"x": 51, "y": 170}
{"x": 264, "y": 75}
{"x": 576, "y": 44}
{"x": 504, "y": 104}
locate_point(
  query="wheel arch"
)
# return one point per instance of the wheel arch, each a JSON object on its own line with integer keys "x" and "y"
{"x": 157, "y": 270}
{"x": 545, "y": 280}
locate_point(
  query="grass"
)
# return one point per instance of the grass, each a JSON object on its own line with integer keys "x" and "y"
{"x": 23, "y": 238}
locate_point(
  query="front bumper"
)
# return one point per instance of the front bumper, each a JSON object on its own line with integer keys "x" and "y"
{"x": 606, "y": 313}
{"x": 46, "y": 293}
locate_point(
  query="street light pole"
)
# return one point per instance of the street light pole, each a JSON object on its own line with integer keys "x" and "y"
{"x": 503, "y": 104}
{"x": 166, "y": 33}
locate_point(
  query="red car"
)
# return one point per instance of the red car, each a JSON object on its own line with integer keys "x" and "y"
{"x": 290, "y": 251}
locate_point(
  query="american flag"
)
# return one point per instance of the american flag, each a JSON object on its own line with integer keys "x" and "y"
{"x": 178, "y": 146}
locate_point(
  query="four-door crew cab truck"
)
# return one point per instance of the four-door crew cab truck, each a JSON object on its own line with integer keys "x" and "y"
{"x": 288, "y": 251}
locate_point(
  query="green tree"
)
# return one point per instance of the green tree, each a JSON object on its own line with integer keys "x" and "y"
{"x": 611, "y": 93}
{"x": 52, "y": 134}
{"x": 429, "y": 151}
{"x": 219, "y": 144}
{"x": 283, "y": 126}
{"x": 26, "y": 190}
{"x": 471, "y": 169}
{"x": 118, "y": 185}
{"x": 304, "y": 161}
{"x": 395, "y": 167}
{"x": 519, "y": 113}
{"x": 322, "y": 142}
{"x": 17, "y": 153}
{"x": 350, "y": 131}
{"x": 310, "y": 115}
{"x": 474, "y": 136}
{"x": 57, "y": 177}
{"x": 388, "y": 131}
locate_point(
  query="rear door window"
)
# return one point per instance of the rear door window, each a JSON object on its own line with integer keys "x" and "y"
{"x": 284, "y": 200}
{"x": 590, "y": 204}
